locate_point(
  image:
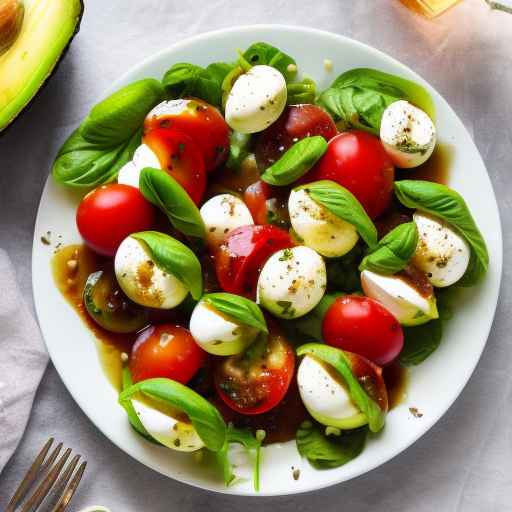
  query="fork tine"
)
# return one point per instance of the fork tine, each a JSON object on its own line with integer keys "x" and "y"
{"x": 29, "y": 477}
{"x": 58, "y": 488}
{"x": 70, "y": 489}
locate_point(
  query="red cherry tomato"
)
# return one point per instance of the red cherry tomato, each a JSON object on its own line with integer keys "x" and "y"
{"x": 239, "y": 261}
{"x": 181, "y": 157}
{"x": 357, "y": 160}
{"x": 167, "y": 351}
{"x": 295, "y": 123}
{"x": 257, "y": 380}
{"x": 267, "y": 204}
{"x": 363, "y": 326}
{"x": 108, "y": 214}
{"x": 200, "y": 121}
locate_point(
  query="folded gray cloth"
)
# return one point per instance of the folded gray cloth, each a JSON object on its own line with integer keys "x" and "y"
{"x": 23, "y": 359}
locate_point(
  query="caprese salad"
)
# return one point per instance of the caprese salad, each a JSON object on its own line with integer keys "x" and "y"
{"x": 264, "y": 251}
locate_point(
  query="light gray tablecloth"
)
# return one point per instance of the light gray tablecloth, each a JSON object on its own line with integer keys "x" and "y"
{"x": 465, "y": 462}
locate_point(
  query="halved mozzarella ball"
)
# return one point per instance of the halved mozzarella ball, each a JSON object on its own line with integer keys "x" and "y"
{"x": 442, "y": 253}
{"x": 223, "y": 213}
{"x": 400, "y": 297}
{"x": 256, "y": 100}
{"x": 318, "y": 227}
{"x": 292, "y": 282}
{"x": 171, "y": 431}
{"x": 218, "y": 335}
{"x": 143, "y": 281}
{"x": 325, "y": 395}
{"x": 130, "y": 172}
{"x": 408, "y": 134}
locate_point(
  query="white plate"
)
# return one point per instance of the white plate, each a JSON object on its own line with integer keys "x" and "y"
{"x": 434, "y": 385}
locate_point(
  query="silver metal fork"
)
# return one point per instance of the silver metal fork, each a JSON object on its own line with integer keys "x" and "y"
{"x": 54, "y": 484}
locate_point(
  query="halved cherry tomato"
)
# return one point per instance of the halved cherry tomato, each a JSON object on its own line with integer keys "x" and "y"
{"x": 181, "y": 157}
{"x": 267, "y": 204}
{"x": 357, "y": 160}
{"x": 108, "y": 214}
{"x": 200, "y": 121}
{"x": 239, "y": 261}
{"x": 257, "y": 380}
{"x": 363, "y": 326}
{"x": 167, "y": 351}
{"x": 295, "y": 123}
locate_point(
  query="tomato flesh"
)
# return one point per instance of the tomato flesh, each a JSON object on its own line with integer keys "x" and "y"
{"x": 267, "y": 204}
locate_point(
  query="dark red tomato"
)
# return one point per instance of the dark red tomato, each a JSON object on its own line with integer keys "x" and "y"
{"x": 200, "y": 121}
{"x": 295, "y": 123}
{"x": 239, "y": 261}
{"x": 257, "y": 380}
{"x": 267, "y": 204}
{"x": 363, "y": 326}
{"x": 357, "y": 160}
{"x": 108, "y": 214}
{"x": 167, "y": 351}
{"x": 181, "y": 157}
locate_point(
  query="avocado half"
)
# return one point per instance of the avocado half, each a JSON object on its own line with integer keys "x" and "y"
{"x": 47, "y": 30}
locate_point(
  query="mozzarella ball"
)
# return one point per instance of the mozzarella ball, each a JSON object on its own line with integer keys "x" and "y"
{"x": 320, "y": 229}
{"x": 256, "y": 100}
{"x": 408, "y": 134}
{"x": 442, "y": 253}
{"x": 130, "y": 172}
{"x": 217, "y": 334}
{"x": 143, "y": 281}
{"x": 403, "y": 300}
{"x": 292, "y": 282}
{"x": 324, "y": 394}
{"x": 168, "y": 108}
{"x": 223, "y": 213}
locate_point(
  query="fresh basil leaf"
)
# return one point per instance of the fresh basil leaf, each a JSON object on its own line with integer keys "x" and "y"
{"x": 343, "y": 273}
{"x": 342, "y": 203}
{"x": 173, "y": 257}
{"x": 296, "y": 161}
{"x": 393, "y": 251}
{"x": 441, "y": 201}
{"x": 337, "y": 359}
{"x": 301, "y": 92}
{"x": 264, "y": 53}
{"x": 167, "y": 194}
{"x": 311, "y": 324}
{"x": 239, "y": 308}
{"x": 205, "y": 417}
{"x": 329, "y": 451}
{"x": 238, "y": 149}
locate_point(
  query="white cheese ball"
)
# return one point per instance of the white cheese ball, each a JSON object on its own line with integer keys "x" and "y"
{"x": 169, "y": 108}
{"x": 130, "y": 172}
{"x": 256, "y": 100}
{"x": 408, "y": 134}
{"x": 223, "y": 213}
{"x": 441, "y": 253}
{"x": 325, "y": 395}
{"x": 143, "y": 281}
{"x": 217, "y": 334}
{"x": 292, "y": 282}
{"x": 403, "y": 300}
{"x": 318, "y": 228}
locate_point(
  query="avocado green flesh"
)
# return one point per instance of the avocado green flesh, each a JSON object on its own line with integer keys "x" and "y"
{"x": 355, "y": 421}
{"x": 47, "y": 29}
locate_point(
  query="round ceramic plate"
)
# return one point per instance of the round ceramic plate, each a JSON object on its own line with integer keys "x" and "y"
{"x": 434, "y": 385}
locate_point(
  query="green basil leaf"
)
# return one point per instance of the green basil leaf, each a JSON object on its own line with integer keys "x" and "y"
{"x": 311, "y": 324}
{"x": 343, "y": 273}
{"x": 420, "y": 342}
{"x": 301, "y": 92}
{"x": 167, "y": 194}
{"x": 441, "y": 201}
{"x": 264, "y": 53}
{"x": 337, "y": 359}
{"x": 329, "y": 451}
{"x": 205, "y": 417}
{"x": 342, "y": 203}
{"x": 239, "y": 308}
{"x": 119, "y": 116}
{"x": 173, "y": 257}
{"x": 393, "y": 251}
{"x": 238, "y": 149}
{"x": 296, "y": 161}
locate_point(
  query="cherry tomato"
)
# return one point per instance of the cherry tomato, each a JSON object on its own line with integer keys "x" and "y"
{"x": 108, "y": 214}
{"x": 357, "y": 160}
{"x": 257, "y": 380}
{"x": 200, "y": 121}
{"x": 295, "y": 123}
{"x": 267, "y": 204}
{"x": 363, "y": 326}
{"x": 167, "y": 351}
{"x": 181, "y": 157}
{"x": 240, "y": 259}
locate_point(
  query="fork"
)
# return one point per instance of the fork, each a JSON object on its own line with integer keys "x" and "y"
{"x": 43, "y": 475}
